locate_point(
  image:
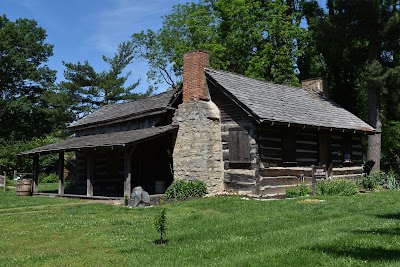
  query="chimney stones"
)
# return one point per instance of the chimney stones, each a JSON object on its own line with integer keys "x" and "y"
{"x": 316, "y": 85}
{"x": 198, "y": 146}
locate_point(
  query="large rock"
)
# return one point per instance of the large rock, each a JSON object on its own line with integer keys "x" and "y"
{"x": 139, "y": 198}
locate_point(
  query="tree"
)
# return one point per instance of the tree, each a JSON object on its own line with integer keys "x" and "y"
{"x": 25, "y": 81}
{"x": 359, "y": 41}
{"x": 86, "y": 90}
{"x": 262, "y": 39}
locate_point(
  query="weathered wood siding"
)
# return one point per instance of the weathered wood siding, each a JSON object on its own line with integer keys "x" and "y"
{"x": 306, "y": 148}
{"x": 270, "y": 146}
{"x": 356, "y": 150}
{"x": 336, "y": 149}
{"x": 230, "y": 111}
{"x": 240, "y": 173}
{"x": 271, "y": 143}
{"x": 147, "y": 122}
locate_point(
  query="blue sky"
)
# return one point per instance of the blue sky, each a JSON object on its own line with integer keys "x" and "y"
{"x": 87, "y": 29}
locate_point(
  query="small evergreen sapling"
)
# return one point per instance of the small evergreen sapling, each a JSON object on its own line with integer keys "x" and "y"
{"x": 161, "y": 226}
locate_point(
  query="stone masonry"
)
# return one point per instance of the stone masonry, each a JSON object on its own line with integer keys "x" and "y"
{"x": 198, "y": 147}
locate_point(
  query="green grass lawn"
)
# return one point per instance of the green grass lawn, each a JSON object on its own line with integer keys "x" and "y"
{"x": 362, "y": 230}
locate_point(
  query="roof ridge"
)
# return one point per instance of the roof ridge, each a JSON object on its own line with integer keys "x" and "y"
{"x": 139, "y": 99}
{"x": 256, "y": 79}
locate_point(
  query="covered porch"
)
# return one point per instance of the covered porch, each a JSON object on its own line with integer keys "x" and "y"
{"x": 111, "y": 164}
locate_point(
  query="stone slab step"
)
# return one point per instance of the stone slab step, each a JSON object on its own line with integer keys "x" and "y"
{"x": 268, "y": 190}
{"x": 283, "y": 180}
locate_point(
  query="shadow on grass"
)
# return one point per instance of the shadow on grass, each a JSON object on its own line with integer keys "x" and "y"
{"x": 382, "y": 231}
{"x": 370, "y": 254}
{"x": 393, "y": 216}
{"x": 160, "y": 242}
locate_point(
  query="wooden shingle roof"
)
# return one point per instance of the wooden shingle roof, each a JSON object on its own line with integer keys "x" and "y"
{"x": 116, "y": 139}
{"x": 280, "y": 103}
{"x": 132, "y": 109}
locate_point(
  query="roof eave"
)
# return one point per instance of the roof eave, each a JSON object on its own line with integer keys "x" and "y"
{"x": 319, "y": 127}
{"x": 31, "y": 153}
{"x": 153, "y": 112}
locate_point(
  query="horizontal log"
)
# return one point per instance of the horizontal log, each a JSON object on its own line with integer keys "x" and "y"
{"x": 240, "y": 176}
{"x": 241, "y": 188}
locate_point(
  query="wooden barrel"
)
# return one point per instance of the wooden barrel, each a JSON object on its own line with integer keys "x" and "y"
{"x": 24, "y": 187}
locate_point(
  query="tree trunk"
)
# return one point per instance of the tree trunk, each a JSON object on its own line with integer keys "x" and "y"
{"x": 374, "y": 119}
{"x": 374, "y": 101}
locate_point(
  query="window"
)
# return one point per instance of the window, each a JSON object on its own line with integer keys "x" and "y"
{"x": 239, "y": 147}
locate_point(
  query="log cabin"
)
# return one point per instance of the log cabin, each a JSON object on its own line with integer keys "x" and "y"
{"x": 235, "y": 133}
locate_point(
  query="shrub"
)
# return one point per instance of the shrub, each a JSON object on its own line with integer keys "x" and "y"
{"x": 386, "y": 180}
{"x": 391, "y": 181}
{"x": 50, "y": 178}
{"x": 298, "y": 191}
{"x": 343, "y": 187}
{"x": 369, "y": 183}
{"x": 182, "y": 189}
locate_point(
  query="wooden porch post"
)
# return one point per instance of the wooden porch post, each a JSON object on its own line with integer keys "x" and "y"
{"x": 61, "y": 173}
{"x": 35, "y": 181}
{"x": 127, "y": 172}
{"x": 89, "y": 173}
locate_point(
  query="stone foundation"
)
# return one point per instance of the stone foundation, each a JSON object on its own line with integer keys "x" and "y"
{"x": 198, "y": 147}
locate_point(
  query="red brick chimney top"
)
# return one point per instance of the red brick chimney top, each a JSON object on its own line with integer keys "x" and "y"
{"x": 194, "y": 80}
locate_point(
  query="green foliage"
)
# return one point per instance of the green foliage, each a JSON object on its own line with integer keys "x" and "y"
{"x": 181, "y": 189}
{"x": 160, "y": 223}
{"x": 298, "y": 191}
{"x": 9, "y": 160}
{"x": 48, "y": 178}
{"x": 357, "y": 42}
{"x": 342, "y": 187}
{"x": 28, "y": 102}
{"x": 389, "y": 180}
{"x": 369, "y": 183}
{"x": 85, "y": 89}
{"x": 262, "y": 39}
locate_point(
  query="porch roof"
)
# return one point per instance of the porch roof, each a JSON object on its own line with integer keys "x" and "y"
{"x": 128, "y": 110}
{"x": 116, "y": 139}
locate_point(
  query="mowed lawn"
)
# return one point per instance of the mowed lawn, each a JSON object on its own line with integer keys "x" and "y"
{"x": 363, "y": 230}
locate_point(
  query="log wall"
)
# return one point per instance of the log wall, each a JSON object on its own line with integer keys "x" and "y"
{"x": 240, "y": 177}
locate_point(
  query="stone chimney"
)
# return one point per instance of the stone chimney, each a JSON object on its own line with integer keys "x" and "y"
{"x": 198, "y": 147}
{"x": 194, "y": 81}
{"x": 316, "y": 85}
